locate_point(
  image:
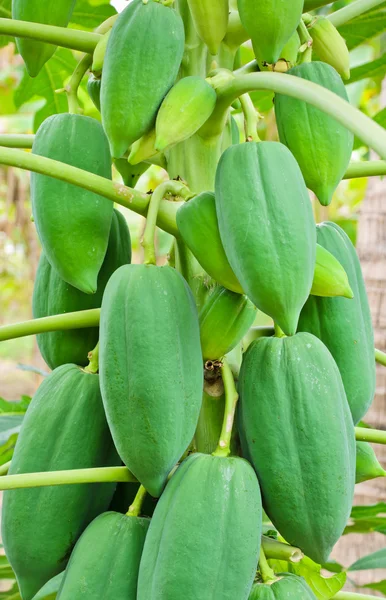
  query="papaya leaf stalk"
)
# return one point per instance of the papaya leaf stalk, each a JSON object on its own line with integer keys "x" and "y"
{"x": 353, "y": 10}
{"x": 380, "y": 357}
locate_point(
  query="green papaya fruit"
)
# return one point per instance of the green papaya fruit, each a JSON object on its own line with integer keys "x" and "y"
{"x": 285, "y": 587}
{"x": 99, "y": 54}
{"x": 137, "y": 74}
{"x": 94, "y": 91}
{"x": 330, "y": 46}
{"x": 367, "y": 464}
{"x": 130, "y": 173}
{"x": 105, "y": 560}
{"x": 320, "y": 144}
{"x": 289, "y": 54}
{"x": 53, "y": 296}
{"x": 150, "y": 368}
{"x": 143, "y": 149}
{"x": 35, "y": 54}
{"x": 50, "y": 589}
{"x": 267, "y": 228}
{"x": 235, "y": 133}
{"x": 210, "y": 18}
{"x": 290, "y": 392}
{"x": 218, "y": 496}
{"x": 185, "y": 109}
{"x": 224, "y": 320}
{"x": 270, "y": 23}
{"x": 330, "y": 278}
{"x": 41, "y": 525}
{"x": 345, "y": 326}
{"x": 73, "y": 224}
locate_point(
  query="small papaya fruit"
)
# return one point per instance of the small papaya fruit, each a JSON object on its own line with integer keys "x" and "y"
{"x": 143, "y": 149}
{"x": 94, "y": 91}
{"x": 137, "y": 74}
{"x": 330, "y": 278}
{"x": 35, "y": 54}
{"x": 270, "y": 23}
{"x": 320, "y": 144}
{"x": 105, "y": 561}
{"x": 210, "y": 18}
{"x": 130, "y": 173}
{"x": 185, "y": 109}
{"x": 307, "y": 479}
{"x": 285, "y": 587}
{"x": 73, "y": 224}
{"x": 329, "y": 46}
{"x": 367, "y": 464}
{"x": 99, "y": 54}
{"x": 151, "y": 369}
{"x": 267, "y": 228}
{"x": 221, "y": 497}
{"x": 289, "y": 54}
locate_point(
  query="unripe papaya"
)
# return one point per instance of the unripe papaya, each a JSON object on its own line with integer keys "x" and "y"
{"x": 143, "y": 149}
{"x": 330, "y": 46}
{"x": 367, "y": 464}
{"x": 224, "y": 320}
{"x": 270, "y": 23}
{"x": 320, "y": 144}
{"x": 94, "y": 91}
{"x": 330, "y": 278}
{"x": 218, "y": 496}
{"x": 267, "y": 228}
{"x": 285, "y": 587}
{"x": 307, "y": 479}
{"x": 151, "y": 369}
{"x": 73, "y": 224}
{"x": 41, "y": 525}
{"x": 53, "y": 296}
{"x": 185, "y": 109}
{"x": 210, "y": 18}
{"x": 289, "y": 54}
{"x": 345, "y": 326}
{"x": 99, "y": 54}
{"x": 35, "y": 54}
{"x": 105, "y": 560}
{"x": 137, "y": 74}
{"x": 130, "y": 173}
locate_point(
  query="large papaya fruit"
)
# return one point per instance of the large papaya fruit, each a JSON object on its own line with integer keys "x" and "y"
{"x": 138, "y": 74}
{"x": 210, "y": 18}
{"x": 330, "y": 278}
{"x": 65, "y": 428}
{"x": 73, "y": 224}
{"x": 267, "y": 228}
{"x": 35, "y": 54}
{"x": 270, "y": 23}
{"x": 285, "y": 587}
{"x": 151, "y": 369}
{"x": 345, "y": 326}
{"x": 367, "y": 464}
{"x": 320, "y": 144}
{"x": 218, "y": 496}
{"x": 105, "y": 560}
{"x": 291, "y": 391}
{"x": 53, "y": 296}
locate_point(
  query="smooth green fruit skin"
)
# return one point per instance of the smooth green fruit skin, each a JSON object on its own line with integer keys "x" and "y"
{"x": 130, "y": 173}
{"x": 210, "y": 18}
{"x": 267, "y": 228}
{"x": 367, "y": 464}
{"x": 330, "y": 278}
{"x": 330, "y": 46}
{"x": 320, "y": 144}
{"x": 99, "y": 54}
{"x": 185, "y": 109}
{"x": 65, "y": 428}
{"x": 270, "y": 23}
{"x": 150, "y": 369}
{"x": 141, "y": 64}
{"x": 224, "y": 320}
{"x": 345, "y": 326}
{"x": 204, "y": 537}
{"x": 53, "y": 296}
{"x": 287, "y": 587}
{"x": 105, "y": 562}
{"x": 94, "y": 91}
{"x": 35, "y": 54}
{"x": 291, "y": 391}
{"x": 73, "y": 224}
{"x": 198, "y": 226}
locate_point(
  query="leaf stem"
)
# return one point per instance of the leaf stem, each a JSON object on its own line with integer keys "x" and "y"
{"x": 251, "y": 118}
{"x": 374, "y": 436}
{"x": 17, "y": 140}
{"x": 380, "y": 357}
{"x": 353, "y": 10}
{"x": 267, "y": 574}
{"x": 136, "y": 507}
{"x": 231, "y": 397}
{"x": 279, "y": 551}
{"x": 74, "y": 83}
{"x": 5, "y": 468}
{"x": 93, "y": 357}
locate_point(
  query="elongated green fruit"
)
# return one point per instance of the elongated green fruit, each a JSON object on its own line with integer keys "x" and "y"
{"x": 330, "y": 278}
{"x": 221, "y": 497}
{"x": 307, "y": 481}
{"x": 330, "y": 46}
{"x": 345, "y": 326}
{"x": 94, "y": 91}
{"x": 185, "y": 109}
{"x": 367, "y": 464}
{"x": 270, "y": 23}
{"x": 99, "y": 54}
{"x": 210, "y": 18}
{"x": 73, "y": 224}
{"x": 321, "y": 145}
{"x": 267, "y": 228}
{"x": 35, "y": 54}
{"x": 105, "y": 561}
{"x": 151, "y": 369}
{"x": 41, "y": 525}
{"x": 289, "y": 53}
{"x": 143, "y": 149}
{"x": 285, "y": 587}
{"x": 224, "y": 320}
{"x": 143, "y": 56}
{"x": 53, "y": 296}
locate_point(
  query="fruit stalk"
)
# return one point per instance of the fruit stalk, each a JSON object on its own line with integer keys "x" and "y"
{"x": 231, "y": 397}
{"x": 266, "y": 572}
{"x": 279, "y": 551}
{"x": 375, "y": 436}
{"x": 251, "y": 118}
{"x": 93, "y": 357}
{"x": 380, "y": 357}
{"x": 136, "y": 506}
{"x": 74, "y": 83}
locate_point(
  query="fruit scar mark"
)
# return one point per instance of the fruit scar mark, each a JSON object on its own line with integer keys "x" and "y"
{"x": 124, "y": 191}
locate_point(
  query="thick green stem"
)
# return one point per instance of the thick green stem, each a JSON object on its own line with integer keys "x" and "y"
{"x": 74, "y": 83}
{"x": 17, "y": 140}
{"x": 380, "y": 357}
{"x": 306, "y": 43}
{"x": 353, "y": 10}
{"x": 352, "y": 596}
{"x": 231, "y": 397}
{"x": 279, "y": 551}
{"x": 251, "y": 118}
{"x": 76, "y": 476}
{"x": 75, "y": 39}
{"x": 267, "y": 574}
{"x": 136, "y": 507}
{"x": 374, "y": 436}
{"x": 93, "y": 357}
{"x": 125, "y": 196}
{"x": 5, "y": 468}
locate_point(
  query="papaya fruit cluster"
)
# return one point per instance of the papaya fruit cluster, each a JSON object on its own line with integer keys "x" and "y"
{"x": 174, "y": 342}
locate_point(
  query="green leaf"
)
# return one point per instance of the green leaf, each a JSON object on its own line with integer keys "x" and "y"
{"x": 324, "y": 588}
{"x": 376, "y": 524}
{"x": 376, "y": 560}
{"x": 379, "y": 586}
{"x": 374, "y": 69}
{"x": 88, "y": 15}
{"x": 365, "y": 27}
{"x": 50, "y": 589}
{"x": 333, "y": 567}
{"x": 380, "y": 118}
{"x": 8, "y": 407}
{"x": 5, "y": 13}
{"x": 7, "y": 449}
{"x": 365, "y": 512}
{"x": 11, "y": 594}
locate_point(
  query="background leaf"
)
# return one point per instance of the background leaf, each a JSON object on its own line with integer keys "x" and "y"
{"x": 365, "y": 27}
{"x": 50, "y": 589}
{"x": 376, "y": 560}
